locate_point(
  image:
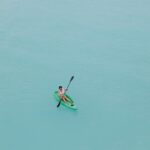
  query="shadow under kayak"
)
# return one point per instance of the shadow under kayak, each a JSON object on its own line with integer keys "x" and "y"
{"x": 67, "y": 104}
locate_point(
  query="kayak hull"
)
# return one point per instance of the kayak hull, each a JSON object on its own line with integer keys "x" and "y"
{"x": 57, "y": 98}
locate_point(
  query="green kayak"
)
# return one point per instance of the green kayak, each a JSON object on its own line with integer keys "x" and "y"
{"x": 67, "y": 104}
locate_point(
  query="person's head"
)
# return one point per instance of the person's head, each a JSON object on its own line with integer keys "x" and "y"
{"x": 60, "y": 87}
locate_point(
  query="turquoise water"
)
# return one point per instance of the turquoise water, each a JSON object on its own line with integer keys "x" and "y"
{"x": 104, "y": 44}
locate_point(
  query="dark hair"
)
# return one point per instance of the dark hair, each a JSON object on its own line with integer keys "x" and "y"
{"x": 60, "y": 87}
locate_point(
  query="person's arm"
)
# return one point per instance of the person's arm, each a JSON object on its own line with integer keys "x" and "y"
{"x": 59, "y": 93}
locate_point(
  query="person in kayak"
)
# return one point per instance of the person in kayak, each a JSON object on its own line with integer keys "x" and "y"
{"x": 61, "y": 93}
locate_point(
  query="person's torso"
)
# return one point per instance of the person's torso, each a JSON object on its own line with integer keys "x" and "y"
{"x": 61, "y": 92}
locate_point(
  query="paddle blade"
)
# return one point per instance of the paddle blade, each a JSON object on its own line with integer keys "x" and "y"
{"x": 71, "y": 78}
{"x": 59, "y": 103}
{"x": 70, "y": 81}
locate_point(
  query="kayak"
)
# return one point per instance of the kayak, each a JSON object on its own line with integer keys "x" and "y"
{"x": 67, "y": 104}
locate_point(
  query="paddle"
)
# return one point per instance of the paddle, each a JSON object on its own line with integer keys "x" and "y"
{"x": 67, "y": 88}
